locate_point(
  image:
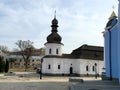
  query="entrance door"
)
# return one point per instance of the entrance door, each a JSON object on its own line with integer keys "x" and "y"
{"x": 71, "y": 70}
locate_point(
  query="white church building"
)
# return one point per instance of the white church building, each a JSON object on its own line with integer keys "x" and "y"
{"x": 85, "y": 60}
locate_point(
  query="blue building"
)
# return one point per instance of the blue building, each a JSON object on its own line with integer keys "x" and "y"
{"x": 112, "y": 46}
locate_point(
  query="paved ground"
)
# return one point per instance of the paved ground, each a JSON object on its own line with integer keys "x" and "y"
{"x": 94, "y": 85}
{"x": 31, "y": 81}
{"x": 33, "y": 86}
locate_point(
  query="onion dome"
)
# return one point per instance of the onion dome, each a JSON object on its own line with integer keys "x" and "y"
{"x": 113, "y": 15}
{"x": 55, "y": 21}
{"x": 54, "y": 37}
{"x": 112, "y": 21}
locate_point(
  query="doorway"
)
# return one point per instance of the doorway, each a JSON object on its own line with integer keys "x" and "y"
{"x": 71, "y": 70}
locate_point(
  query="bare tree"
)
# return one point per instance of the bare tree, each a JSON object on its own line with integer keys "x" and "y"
{"x": 25, "y": 51}
{"x": 15, "y": 50}
{"x": 4, "y": 48}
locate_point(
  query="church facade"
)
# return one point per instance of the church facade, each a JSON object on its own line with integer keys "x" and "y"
{"x": 85, "y": 60}
{"x": 112, "y": 46}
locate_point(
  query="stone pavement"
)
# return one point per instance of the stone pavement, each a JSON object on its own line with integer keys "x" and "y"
{"x": 32, "y": 82}
{"x": 94, "y": 85}
{"x": 33, "y": 86}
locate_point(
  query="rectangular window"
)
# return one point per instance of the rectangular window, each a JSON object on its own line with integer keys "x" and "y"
{"x": 50, "y": 51}
{"x": 49, "y": 66}
{"x": 58, "y": 66}
{"x": 87, "y": 68}
{"x": 93, "y": 68}
{"x": 56, "y": 51}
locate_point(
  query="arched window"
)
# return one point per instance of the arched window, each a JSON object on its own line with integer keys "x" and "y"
{"x": 49, "y": 66}
{"x": 57, "y": 51}
{"x": 93, "y": 68}
{"x": 58, "y": 66}
{"x": 87, "y": 68}
{"x": 50, "y": 51}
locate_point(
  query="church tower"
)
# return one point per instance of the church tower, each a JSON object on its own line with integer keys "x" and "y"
{"x": 112, "y": 47}
{"x": 54, "y": 45}
{"x": 119, "y": 41}
{"x": 119, "y": 10}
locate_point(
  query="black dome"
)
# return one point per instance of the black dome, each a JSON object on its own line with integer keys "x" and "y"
{"x": 54, "y": 21}
{"x": 111, "y": 23}
{"x": 54, "y": 38}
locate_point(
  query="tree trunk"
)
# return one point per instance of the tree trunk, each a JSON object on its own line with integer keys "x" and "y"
{"x": 26, "y": 66}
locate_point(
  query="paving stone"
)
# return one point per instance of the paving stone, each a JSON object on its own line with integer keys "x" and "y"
{"x": 95, "y": 85}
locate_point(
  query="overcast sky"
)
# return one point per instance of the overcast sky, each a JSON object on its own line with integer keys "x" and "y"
{"x": 80, "y": 21}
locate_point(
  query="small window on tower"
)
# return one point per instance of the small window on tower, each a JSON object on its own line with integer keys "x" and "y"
{"x": 57, "y": 51}
{"x": 50, "y": 51}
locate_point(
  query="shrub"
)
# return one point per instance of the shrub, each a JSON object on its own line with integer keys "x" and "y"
{"x": 7, "y": 66}
{"x": 2, "y": 66}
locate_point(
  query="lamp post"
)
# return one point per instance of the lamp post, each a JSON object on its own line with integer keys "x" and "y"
{"x": 40, "y": 72}
{"x": 96, "y": 70}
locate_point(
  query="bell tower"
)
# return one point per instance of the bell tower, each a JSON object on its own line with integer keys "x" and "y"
{"x": 54, "y": 45}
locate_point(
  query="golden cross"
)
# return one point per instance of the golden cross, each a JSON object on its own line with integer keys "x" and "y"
{"x": 113, "y": 7}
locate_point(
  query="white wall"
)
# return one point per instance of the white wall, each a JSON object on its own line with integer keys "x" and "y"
{"x": 79, "y": 66}
{"x": 65, "y": 65}
{"x": 91, "y": 63}
{"x": 53, "y": 47}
